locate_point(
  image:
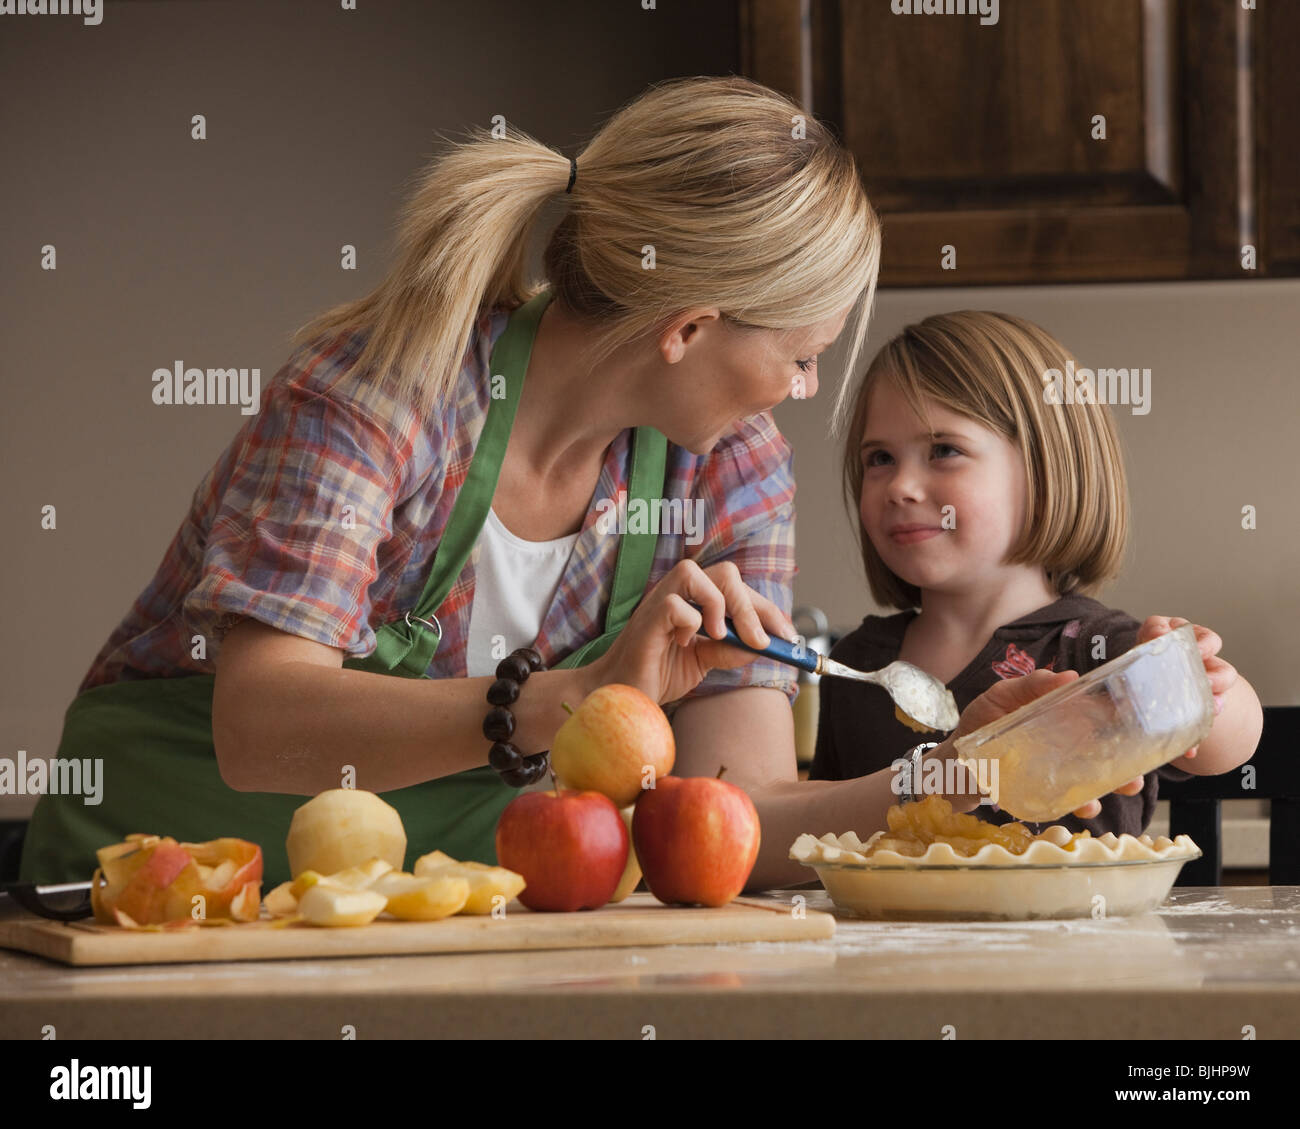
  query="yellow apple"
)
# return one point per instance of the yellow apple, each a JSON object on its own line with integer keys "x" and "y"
{"x": 612, "y": 742}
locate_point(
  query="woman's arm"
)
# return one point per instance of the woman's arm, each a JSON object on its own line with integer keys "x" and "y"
{"x": 287, "y": 716}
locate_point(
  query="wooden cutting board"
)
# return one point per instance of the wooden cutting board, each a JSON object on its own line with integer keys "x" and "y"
{"x": 639, "y": 920}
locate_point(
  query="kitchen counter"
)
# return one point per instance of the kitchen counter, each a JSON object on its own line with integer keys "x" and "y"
{"x": 1210, "y": 962}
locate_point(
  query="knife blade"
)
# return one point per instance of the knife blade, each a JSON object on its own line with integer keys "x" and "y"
{"x": 17, "y": 897}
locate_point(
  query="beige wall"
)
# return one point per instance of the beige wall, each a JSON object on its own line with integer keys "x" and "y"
{"x": 213, "y": 252}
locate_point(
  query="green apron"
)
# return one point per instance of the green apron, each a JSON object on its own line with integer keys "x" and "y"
{"x": 154, "y": 736}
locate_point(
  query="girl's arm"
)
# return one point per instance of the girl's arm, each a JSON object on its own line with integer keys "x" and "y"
{"x": 751, "y": 731}
{"x": 1240, "y": 718}
{"x": 1235, "y": 735}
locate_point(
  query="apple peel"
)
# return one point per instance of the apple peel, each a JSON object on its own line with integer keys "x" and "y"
{"x": 150, "y": 882}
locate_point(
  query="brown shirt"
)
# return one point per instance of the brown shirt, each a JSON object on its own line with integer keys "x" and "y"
{"x": 857, "y": 732}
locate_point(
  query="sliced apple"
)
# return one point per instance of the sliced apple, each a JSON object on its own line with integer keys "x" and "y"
{"x": 360, "y": 877}
{"x": 413, "y": 898}
{"x": 353, "y": 878}
{"x": 281, "y": 902}
{"x": 334, "y": 906}
{"x": 485, "y": 882}
{"x": 304, "y": 882}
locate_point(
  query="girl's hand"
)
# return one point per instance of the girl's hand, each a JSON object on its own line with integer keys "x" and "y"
{"x": 1221, "y": 674}
{"x": 659, "y": 651}
{"x": 1010, "y": 694}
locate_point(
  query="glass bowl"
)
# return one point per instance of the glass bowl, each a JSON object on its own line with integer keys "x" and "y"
{"x": 1110, "y": 876}
{"x": 1082, "y": 741}
{"x": 1000, "y": 893}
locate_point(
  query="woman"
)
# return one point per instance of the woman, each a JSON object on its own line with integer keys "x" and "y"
{"x": 372, "y": 520}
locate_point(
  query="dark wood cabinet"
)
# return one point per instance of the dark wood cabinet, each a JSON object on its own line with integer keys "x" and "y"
{"x": 1072, "y": 140}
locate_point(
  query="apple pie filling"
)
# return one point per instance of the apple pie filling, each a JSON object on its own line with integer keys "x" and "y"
{"x": 914, "y": 827}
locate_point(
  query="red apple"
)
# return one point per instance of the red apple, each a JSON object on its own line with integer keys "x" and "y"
{"x": 610, "y": 741}
{"x": 571, "y": 848}
{"x": 696, "y": 839}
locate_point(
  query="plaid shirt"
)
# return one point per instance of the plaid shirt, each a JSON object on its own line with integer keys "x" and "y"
{"x": 322, "y": 517}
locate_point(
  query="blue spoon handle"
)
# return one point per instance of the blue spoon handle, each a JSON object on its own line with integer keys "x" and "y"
{"x": 780, "y": 649}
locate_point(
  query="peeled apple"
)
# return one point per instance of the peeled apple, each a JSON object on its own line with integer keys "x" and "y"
{"x": 342, "y": 828}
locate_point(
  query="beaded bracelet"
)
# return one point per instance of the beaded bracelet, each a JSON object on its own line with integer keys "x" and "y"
{"x": 512, "y": 672}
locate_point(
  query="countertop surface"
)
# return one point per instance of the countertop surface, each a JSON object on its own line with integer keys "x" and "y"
{"x": 1213, "y": 962}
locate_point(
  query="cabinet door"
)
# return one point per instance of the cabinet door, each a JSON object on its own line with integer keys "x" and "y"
{"x": 1067, "y": 141}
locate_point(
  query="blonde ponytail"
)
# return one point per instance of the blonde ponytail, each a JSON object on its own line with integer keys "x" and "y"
{"x": 462, "y": 246}
{"x": 700, "y": 192}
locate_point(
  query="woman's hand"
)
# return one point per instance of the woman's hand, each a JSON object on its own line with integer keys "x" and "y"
{"x": 1222, "y": 674}
{"x": 1010, "y": 694}
{"x": 659, "y": 651}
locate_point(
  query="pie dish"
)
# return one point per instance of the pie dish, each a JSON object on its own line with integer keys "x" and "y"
{"x": 1107, "y": 876}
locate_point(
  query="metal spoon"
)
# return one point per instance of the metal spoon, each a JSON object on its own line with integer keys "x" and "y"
{"x": 921, "y": 701}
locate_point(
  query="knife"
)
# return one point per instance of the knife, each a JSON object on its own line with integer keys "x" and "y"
{"x": 18, "y": 896}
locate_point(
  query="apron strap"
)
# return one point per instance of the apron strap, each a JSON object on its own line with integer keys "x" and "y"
{"x": 407, "y": 646}
{"x": 636, "y": 552}
{"x": 409, "y": 643}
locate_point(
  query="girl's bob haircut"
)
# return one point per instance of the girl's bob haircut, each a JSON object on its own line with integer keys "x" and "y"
{"x": 992, "y": 368}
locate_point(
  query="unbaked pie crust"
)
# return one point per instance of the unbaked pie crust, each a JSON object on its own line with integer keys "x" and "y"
{"x": 960, "y": 870}
{"x": 961, "y": 839}
{"x": 848, "y": 850}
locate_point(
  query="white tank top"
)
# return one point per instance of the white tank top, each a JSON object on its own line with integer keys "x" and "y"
{"x": 514, "y": 583}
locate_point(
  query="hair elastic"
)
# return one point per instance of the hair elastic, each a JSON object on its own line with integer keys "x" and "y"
{"x": 573, "y": 173}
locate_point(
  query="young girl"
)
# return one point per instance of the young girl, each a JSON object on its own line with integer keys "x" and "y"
{"x": 994, "y": 509}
